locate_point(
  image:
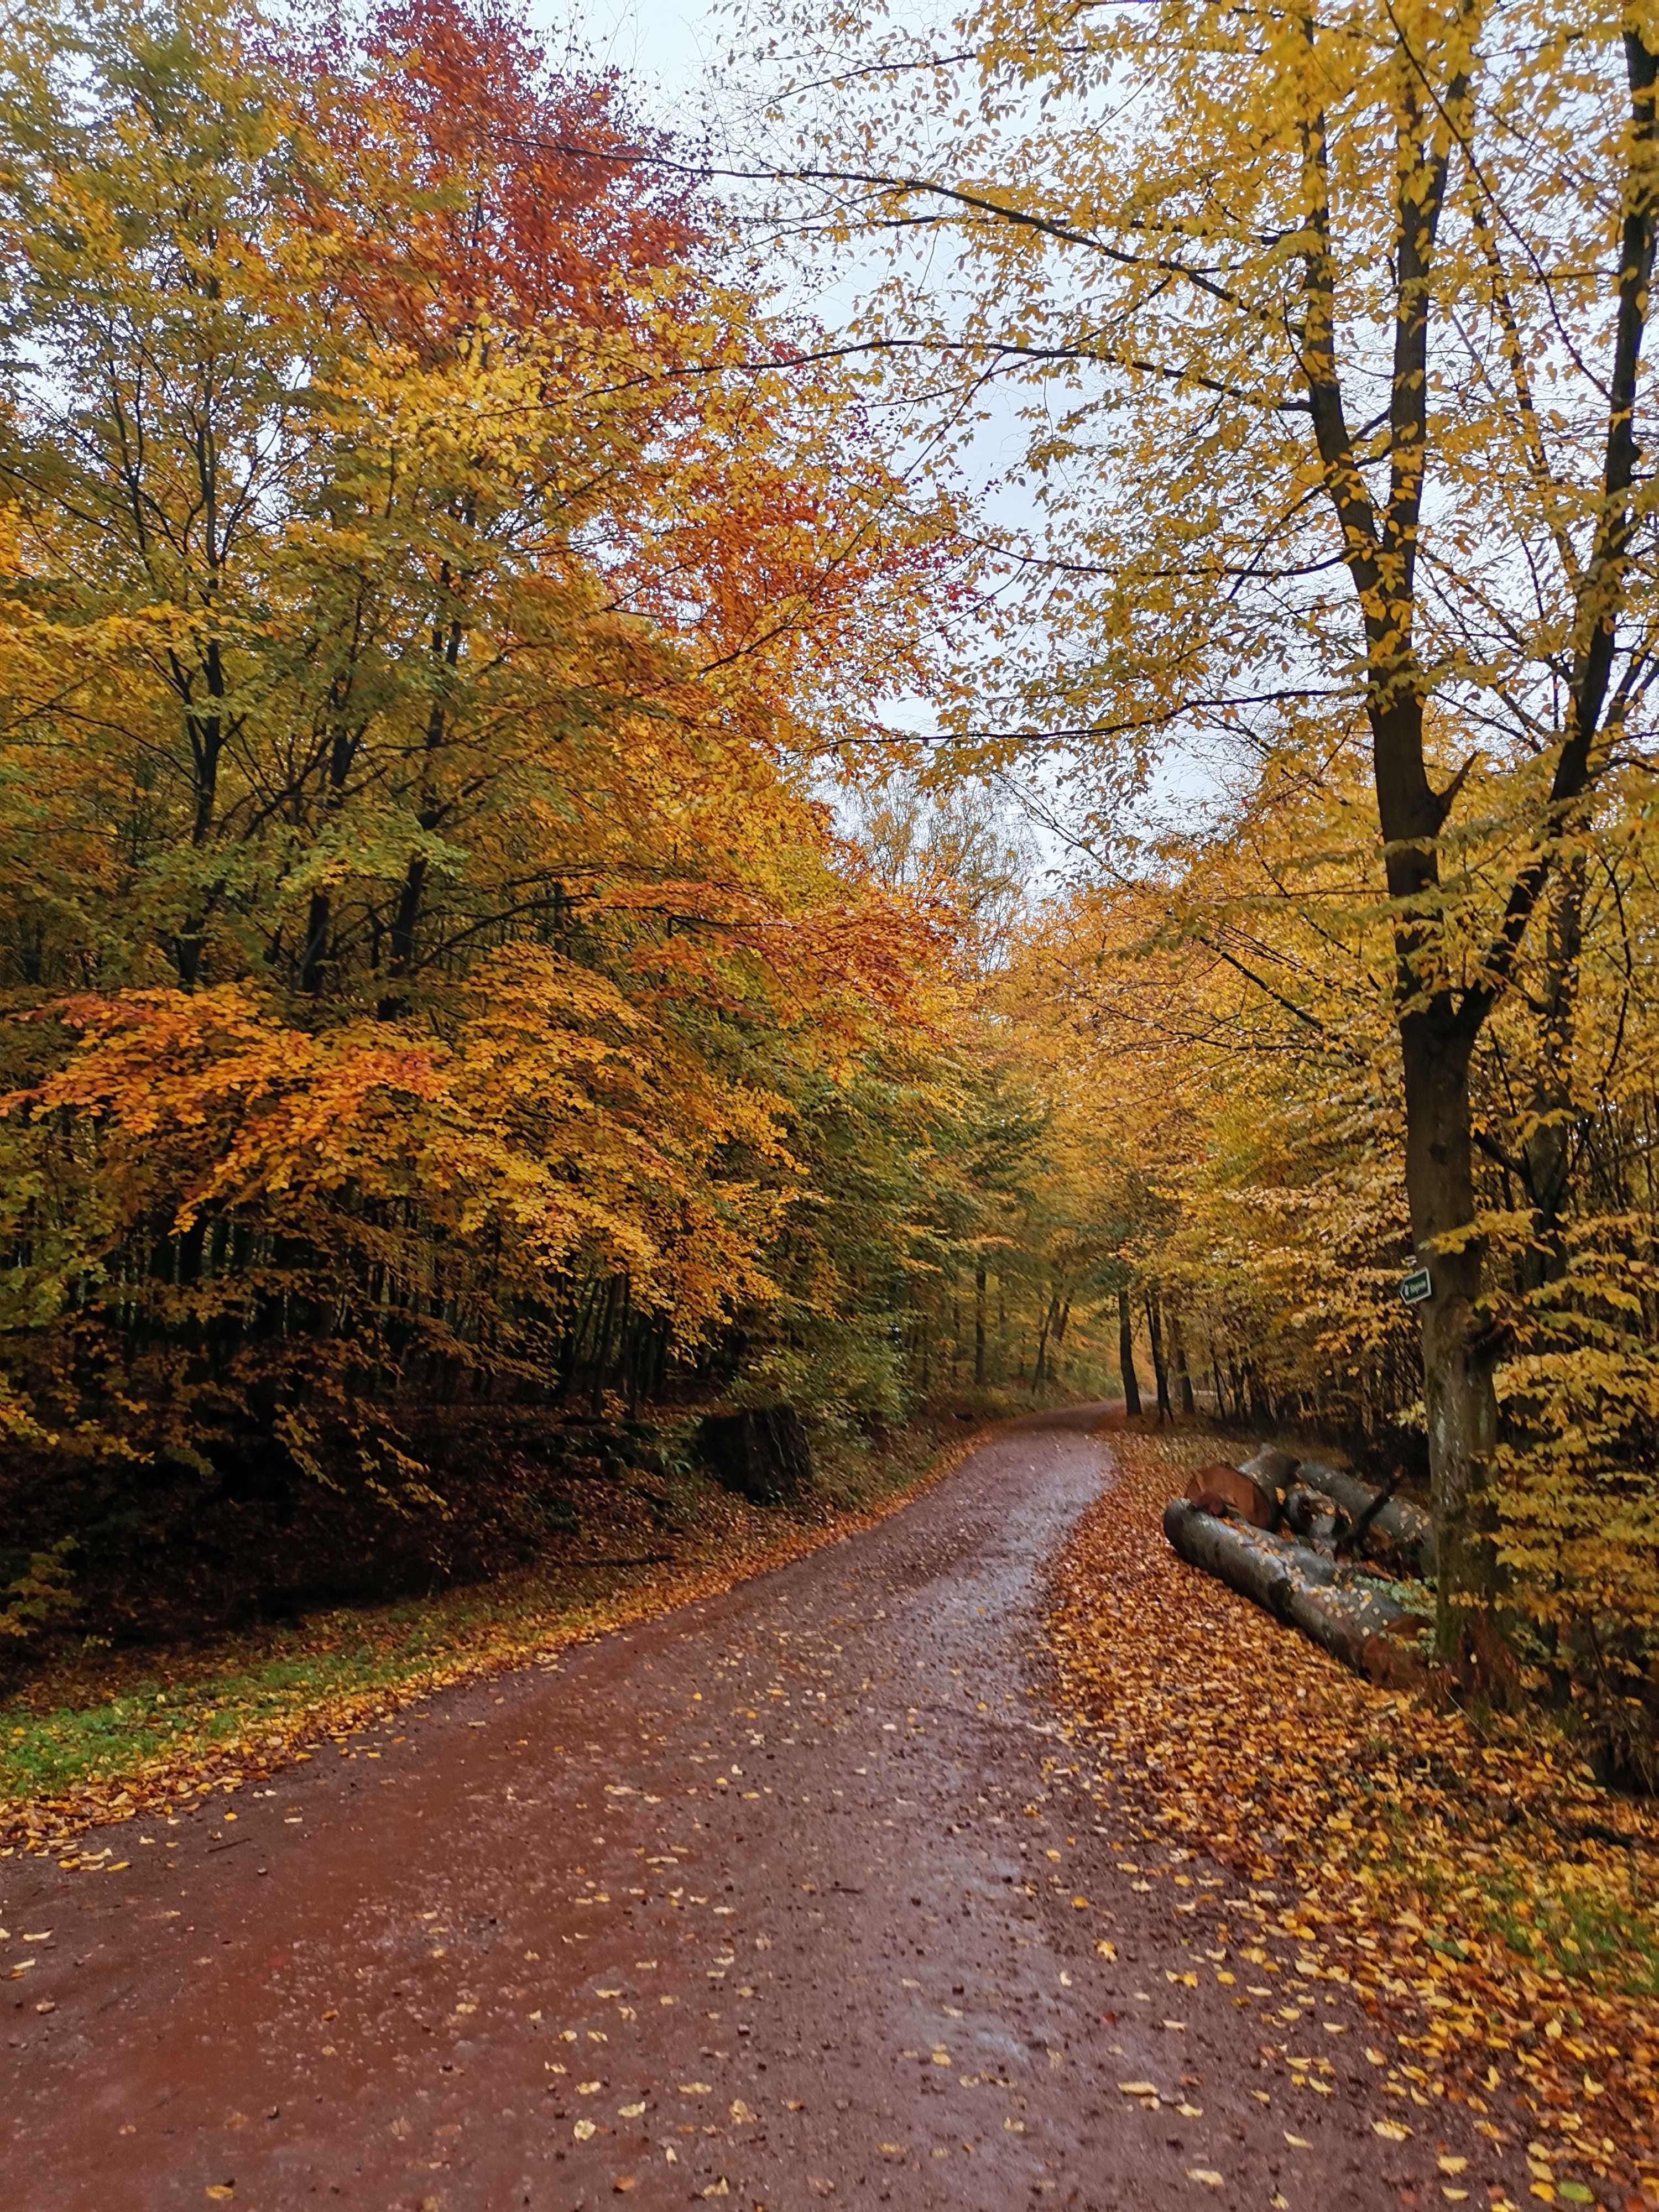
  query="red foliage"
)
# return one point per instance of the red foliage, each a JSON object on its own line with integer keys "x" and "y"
{"x": 536, "y": 191}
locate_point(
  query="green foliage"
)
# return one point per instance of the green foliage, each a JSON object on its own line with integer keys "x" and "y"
{"x": 42, "y": 1594}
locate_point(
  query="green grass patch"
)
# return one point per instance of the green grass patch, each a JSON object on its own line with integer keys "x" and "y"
{"x": 244, "y": 1690}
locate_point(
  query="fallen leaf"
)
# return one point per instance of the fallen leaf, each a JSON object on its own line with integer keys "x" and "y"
{"x": 1235, "y": 1738}
{"x": 1206, "y": 2175}
{"x": 1393, "y": 2130}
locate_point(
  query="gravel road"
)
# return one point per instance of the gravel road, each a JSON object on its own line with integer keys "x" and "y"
{"x": 775, "y": 1899}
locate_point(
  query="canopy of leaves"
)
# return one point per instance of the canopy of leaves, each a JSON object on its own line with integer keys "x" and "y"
{"x": 433, "y": 595}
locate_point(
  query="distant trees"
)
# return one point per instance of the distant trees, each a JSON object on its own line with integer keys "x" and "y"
{"x": 1245, "y": 1038}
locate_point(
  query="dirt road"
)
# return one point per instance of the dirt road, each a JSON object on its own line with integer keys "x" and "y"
{"x": 776, "y": 1899}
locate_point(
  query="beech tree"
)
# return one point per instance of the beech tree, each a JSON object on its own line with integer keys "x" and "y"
{"x": 409, "y": 682}
{"x": 434, "y": 586}
{"x": 1327, "y": 324}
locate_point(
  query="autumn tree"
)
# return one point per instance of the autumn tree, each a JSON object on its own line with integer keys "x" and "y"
{"x": 1328, "y": 328}
{"x": 423, "y": 616}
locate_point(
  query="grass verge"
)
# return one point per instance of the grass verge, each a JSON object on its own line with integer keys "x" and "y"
{"x": 1491, "y": 1906}
{"x": 100, "y": 1734}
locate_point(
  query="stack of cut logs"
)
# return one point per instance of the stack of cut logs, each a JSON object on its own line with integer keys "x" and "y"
{"x": 1277, "y": 1530}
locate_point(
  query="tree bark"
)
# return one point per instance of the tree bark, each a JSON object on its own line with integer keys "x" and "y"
{"x": 1298, "y": 1586}
{"x": 1051, "y": 1313}
{"x": 1460, "y": 1402}
{"x": 1160, "y": 1367}
{"x": 1405, "y": 1526}
{"x": 1126, "y": 1356}
{"x": 1183, "y": 1373}
{"x": 979, "y": 1325}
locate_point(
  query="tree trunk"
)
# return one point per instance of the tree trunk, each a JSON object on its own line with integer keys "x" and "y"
{"x": 1160, "y": 1368}
{"x": 979, "y": 1325}
{"x": 1049, "y": 1313}
{"x": 602, "y": 1354}
{"x": 1399, "y": 1523}
{"x": 313, "y": 950}
{"x": 1459, "y": 1403}
{"x": 1183, "y": 1373}
{"x": 1300, "y": 1587}
{"x": 1126, "y": 1356}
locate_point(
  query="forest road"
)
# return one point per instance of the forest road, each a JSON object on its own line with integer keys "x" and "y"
{"x": 770, "y": 1901}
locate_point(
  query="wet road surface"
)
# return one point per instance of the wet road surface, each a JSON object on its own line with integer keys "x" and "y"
{"x": 792, "y": 1896}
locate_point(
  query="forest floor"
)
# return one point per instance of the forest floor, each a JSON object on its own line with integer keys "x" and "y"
{"x": 822, "y": 1887}
{"x": 1462, "y": 1873}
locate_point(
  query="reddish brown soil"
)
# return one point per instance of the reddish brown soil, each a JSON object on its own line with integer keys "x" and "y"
{"x": 755, "y": 1898}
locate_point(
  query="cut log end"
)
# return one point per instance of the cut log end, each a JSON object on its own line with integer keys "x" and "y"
{"x": 1219, "y": 1489}
{"x": 1390, "y": 1664}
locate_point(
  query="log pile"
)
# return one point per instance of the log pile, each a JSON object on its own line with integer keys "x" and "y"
{"x": 1233, "y": 1524}
{"x": 1403, "y": 1531}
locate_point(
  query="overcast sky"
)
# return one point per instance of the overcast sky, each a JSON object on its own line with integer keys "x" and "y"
{"x": 666, "y": 47}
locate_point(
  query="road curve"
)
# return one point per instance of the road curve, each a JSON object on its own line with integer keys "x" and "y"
{"x": 774, "y": 1900}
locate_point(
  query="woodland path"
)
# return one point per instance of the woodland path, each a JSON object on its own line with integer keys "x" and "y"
{"x": 766, "y": 1871}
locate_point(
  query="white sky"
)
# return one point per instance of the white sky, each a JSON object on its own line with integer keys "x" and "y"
{"x": 671, "y": 49}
